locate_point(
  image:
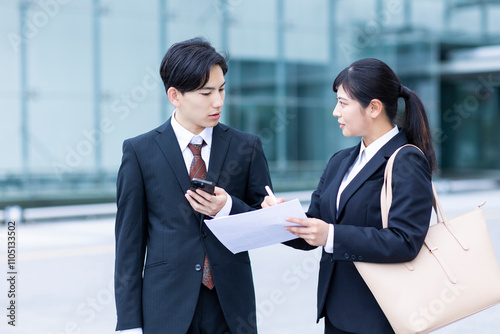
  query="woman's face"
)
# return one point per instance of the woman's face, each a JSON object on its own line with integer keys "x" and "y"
{"x": 353, "y": 118}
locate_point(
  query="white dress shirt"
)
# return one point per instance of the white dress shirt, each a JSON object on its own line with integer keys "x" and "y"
{"x": 365, "y": 154}
{"x": 132, "y": 331}
{"x": 184, "y": 137}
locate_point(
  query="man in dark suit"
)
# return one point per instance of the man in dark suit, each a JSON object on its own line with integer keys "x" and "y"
{"x": 172, "y": 275}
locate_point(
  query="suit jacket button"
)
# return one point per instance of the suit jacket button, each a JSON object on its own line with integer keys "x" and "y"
{"x": 203, "y": 234}
{"x": 360, "y": 258}
{"x": 353, "y": 257}
{"x": 346, "y": 255}
{"x": 197, "y": 267}
{"x": 331, "y": 259}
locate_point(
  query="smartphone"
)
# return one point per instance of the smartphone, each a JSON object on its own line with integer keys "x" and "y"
{"x": 204, "y": 185}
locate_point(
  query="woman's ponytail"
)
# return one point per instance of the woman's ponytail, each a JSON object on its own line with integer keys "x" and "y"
{"x": 416, "y": 125}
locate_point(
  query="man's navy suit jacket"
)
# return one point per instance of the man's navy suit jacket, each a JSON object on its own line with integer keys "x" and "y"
{"x": 358, "y": 233}
{"x": 161, "y": 240}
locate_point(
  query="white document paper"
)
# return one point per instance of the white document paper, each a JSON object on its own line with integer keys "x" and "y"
{"x": 259, "y": 228}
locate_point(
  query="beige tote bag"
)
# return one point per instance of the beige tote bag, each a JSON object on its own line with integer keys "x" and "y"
{"x": 456, "y": 273}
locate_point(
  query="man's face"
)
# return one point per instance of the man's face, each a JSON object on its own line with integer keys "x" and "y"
{"x": 201, "y": 108}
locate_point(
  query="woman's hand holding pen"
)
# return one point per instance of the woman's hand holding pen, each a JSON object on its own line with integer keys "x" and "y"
{"x": 271, "y": 200}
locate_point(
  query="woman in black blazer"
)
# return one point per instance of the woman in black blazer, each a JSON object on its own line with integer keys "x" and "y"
{"x": 344, "y": 216}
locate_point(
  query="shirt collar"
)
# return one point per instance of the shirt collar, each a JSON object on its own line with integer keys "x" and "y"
{"x": 184, "y": 136}
{"x": 374, "y": 147}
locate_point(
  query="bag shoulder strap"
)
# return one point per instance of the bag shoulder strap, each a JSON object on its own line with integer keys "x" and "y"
{"x": 385, "y": 206}
{"x": 386, "y": 193}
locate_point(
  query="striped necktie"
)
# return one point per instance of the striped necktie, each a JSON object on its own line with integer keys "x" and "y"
{"x": 198, "y": 170}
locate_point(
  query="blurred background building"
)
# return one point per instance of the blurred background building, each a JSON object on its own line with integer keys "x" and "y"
{"x": 77, "y": 77}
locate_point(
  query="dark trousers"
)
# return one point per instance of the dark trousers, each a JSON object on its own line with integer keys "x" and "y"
{"x": 208, "y": 317}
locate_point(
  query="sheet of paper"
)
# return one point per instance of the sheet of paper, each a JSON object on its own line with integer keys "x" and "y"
{"x": 257, "y": 228}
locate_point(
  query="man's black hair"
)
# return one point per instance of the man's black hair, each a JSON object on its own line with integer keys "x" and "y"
{"x": 186, "y": 65}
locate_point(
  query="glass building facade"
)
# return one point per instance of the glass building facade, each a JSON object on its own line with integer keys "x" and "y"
{"x": 77, "y": 77}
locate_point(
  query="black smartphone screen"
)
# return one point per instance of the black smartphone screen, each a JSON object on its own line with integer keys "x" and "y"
{"x": 204, "y": 185}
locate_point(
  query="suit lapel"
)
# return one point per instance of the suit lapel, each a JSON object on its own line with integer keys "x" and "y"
{"x": 371, "y": 167}
{"x": 379, "y": 159}
{"x": 344, "y": 166}
{"x": 170, "y": 147}
{"x": 220, "y": 145}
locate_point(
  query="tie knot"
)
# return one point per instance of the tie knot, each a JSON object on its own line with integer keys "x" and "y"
{"x": 196, "y": 148}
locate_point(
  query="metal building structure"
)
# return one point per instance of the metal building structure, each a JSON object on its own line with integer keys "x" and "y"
{"x": 82, "y": 76}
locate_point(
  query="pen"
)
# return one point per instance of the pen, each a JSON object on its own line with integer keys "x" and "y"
{"x": 270, "y": 193}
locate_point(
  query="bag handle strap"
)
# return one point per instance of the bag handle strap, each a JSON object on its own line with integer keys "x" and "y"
{"x": 385, "y": 206}
{"x": 386, "y": 193}
{"x": 386, "y": 199}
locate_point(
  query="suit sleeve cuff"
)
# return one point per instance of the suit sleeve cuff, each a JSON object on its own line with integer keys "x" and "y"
{"x": 226, "y": 210}
{"x": 329, "y": 240}
{"x": 131, "y": 331}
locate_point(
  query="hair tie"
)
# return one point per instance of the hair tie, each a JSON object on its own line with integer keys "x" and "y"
{"x": 404, "y": 92}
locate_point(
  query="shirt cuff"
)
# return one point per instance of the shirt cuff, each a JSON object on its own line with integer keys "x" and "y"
{"x": 329, "y": 240}
{"x": 226, "y": 210}
{"x": 131, "y": 331}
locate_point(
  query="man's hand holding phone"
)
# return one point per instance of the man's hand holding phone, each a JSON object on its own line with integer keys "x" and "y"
{"x": 206, "y": 198}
